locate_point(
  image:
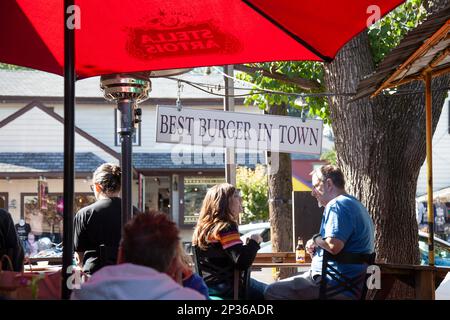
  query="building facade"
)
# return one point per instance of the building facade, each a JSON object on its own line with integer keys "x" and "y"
{"x": 167, "y": 177}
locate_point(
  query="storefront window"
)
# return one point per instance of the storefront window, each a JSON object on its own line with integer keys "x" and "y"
{"x": 49, "y": 222}
{"x": 195, "y": 189}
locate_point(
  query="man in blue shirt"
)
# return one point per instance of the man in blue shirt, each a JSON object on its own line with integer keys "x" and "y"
{"x": 346, "y": 227}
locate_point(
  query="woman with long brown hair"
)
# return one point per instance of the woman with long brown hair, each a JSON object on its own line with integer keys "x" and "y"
{"x": 217, "y": 230}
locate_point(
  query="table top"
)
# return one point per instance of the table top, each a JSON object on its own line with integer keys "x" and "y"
{"x": 413, "y": 267}
{"x": 282, "y": 257}
{"x": 51, "y": 260}
{"x": 37, "y": 268}
{"x": 280, "y": 265}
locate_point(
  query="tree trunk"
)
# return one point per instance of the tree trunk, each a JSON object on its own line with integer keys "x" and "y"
{"x": 280, "y": 199}
{"x": 380, "y": 146}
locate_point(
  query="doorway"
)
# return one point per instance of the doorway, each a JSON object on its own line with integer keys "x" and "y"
{"x": 157, "y": 194}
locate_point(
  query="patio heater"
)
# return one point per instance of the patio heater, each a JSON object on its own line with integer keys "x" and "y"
{"x": 128, "y": 90}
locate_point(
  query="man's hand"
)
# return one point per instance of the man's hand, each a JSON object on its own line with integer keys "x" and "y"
{"x": 79, "y": 258}
{"x": 310, "y": 247}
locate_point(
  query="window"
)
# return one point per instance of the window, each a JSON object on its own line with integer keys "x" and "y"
{"x": 137, "y": 131}
{"x": 48, "y": 222}
{"x": 195, "y": 189}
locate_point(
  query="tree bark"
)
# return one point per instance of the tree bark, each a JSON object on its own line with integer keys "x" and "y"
{"x": 380, "y": 146}
{"x": 280, "y": 199}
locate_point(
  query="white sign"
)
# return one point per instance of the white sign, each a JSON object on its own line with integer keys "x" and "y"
{"x": 238, "y": 130}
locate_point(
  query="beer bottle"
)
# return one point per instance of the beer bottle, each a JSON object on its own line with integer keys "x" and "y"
{"x": 300, "y": 252}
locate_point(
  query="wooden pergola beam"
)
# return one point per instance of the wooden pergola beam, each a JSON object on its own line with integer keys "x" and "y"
{"x": 439, "y": 35}
{"x": 419, "y": 76}
{"x": 441, "y": 56}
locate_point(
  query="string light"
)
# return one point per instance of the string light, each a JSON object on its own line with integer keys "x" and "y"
{"x": 209, "y": 88}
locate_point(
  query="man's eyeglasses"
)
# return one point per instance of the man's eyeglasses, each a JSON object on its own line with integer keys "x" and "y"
{"x": 316, "y": 186}
{"x": 92, "y": 187}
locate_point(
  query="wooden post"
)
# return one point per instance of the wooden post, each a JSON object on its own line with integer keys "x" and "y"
{"x": 429, "y": 136}
{"x": 423, "y": 279}
{"x": 230, "y": 157}
{"x": 429, "y": 118}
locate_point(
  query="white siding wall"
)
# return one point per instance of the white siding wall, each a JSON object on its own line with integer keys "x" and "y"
{"x": 441, "y": 156}
{"x": 36, "y": 131}
{"x": 96, "y": 119}
{"x": 7, "y": 109}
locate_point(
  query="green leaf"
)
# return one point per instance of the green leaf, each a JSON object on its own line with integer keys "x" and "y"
{"x": 254, "y": 188}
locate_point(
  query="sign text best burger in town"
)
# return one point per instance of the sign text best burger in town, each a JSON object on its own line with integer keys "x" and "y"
{"x": 238, "y": 130}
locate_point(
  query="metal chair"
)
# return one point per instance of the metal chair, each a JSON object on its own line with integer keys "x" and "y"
{"x": 218, "y": 278}
{"x": 356, "y": 286}
{"x": 107, "y": 255}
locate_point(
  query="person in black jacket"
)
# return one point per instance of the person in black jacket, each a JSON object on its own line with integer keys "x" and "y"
{"x": 9, "y": 242}
{"x": 217, "y": 231}
{"x": 100, "y": 223}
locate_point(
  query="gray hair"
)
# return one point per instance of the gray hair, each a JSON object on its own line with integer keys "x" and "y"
{"x": 330, "y": 172}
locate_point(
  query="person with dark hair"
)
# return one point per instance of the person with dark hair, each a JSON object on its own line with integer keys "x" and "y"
{"x": 100, "y": 223}
{"x": 147, "y": 253}
{"x": 9, "y": 242}
{"x": 217, "y": 231}
{"x": 346, "y": 227}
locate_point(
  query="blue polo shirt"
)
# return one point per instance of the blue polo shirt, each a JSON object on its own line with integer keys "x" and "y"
{"x": 346, "y": 219}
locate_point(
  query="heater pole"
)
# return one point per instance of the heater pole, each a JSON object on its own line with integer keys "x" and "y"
{"x": 126, "y": 132}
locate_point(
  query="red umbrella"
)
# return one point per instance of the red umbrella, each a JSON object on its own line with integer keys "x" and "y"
{"x": 125, "y": 36}
{"x": 117, "y": 36}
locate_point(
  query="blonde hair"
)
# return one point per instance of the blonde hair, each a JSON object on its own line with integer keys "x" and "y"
{"x": 215, "y": 215}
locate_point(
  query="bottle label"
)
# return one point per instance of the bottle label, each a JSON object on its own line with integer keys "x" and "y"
{"x": 300, "y": 256}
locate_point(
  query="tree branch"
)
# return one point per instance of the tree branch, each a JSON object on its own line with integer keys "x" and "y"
{"x": 302, "y": 83}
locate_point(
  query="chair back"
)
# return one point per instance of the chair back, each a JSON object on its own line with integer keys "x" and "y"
{"x": 221, "y": 275}
{"x": 107, "y": 255}
{"x": 357, "y": 286}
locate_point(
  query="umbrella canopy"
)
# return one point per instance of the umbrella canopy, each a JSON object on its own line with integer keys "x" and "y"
{"x": 127, "y": 36}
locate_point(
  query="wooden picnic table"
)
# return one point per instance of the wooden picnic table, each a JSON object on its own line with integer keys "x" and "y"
{"x": 51, "y": 260}
{"x": 423, "y": 278}
{"x": 280, "y": 257}
{"x": 49, "y": 268}
{"x": 279, "y": 260}
{"x": 281, "y": 265}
